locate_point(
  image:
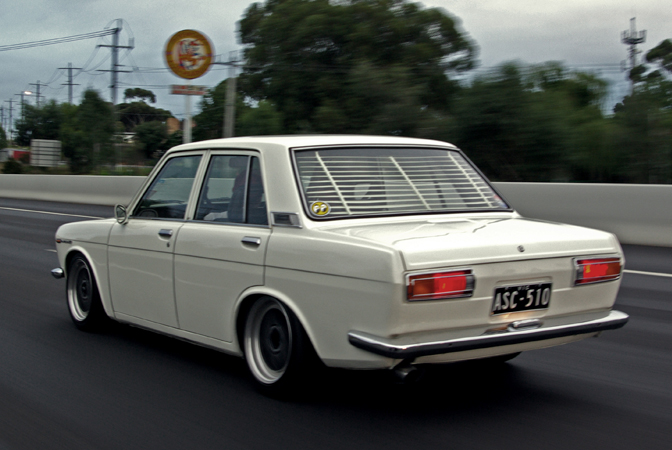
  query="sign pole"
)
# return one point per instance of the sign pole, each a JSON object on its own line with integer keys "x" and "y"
{"x": 186, "y": 136}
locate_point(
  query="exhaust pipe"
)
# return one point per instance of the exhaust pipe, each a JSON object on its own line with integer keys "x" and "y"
{"x": 406, "y": 373}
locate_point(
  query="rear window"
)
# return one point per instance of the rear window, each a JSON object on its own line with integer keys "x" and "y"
{"x": 353, "y": 182}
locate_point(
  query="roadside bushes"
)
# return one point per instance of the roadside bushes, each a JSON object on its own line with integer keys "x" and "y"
{"x": 12, "y": 166}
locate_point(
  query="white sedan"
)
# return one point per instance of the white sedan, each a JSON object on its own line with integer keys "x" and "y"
{"x": 362, "y": 252}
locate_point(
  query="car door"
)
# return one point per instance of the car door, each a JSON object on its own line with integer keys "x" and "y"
{"x": 221, "y": 252}
{"x": 140, "y": 251}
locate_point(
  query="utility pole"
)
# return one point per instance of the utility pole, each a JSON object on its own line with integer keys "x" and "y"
{"x": 38, "y": 91}
{"x": 115, "y": 59}
{"x": 70, "y": 84}
{"x": 230, "y": 101}
{"x": 22, "y": 101}
{"x": 631, "y": 38}
{"x": 11, "y": 108}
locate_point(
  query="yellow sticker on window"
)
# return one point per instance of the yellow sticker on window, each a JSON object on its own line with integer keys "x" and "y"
{"x": 320, "y": 208}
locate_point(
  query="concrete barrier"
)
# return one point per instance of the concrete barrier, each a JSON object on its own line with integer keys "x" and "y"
{"x": 90, "y": 189}
{"x": 637, "y": 214}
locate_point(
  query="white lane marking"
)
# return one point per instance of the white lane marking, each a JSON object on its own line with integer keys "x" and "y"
{"x": 50, "y": 250}
{"x": 49, "y": 212}
{"x": 653, "y": 274}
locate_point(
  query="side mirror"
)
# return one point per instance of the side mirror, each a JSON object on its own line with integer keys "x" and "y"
{"x": 121, "y": 214}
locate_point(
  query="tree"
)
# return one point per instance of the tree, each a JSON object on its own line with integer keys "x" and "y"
{"x": 259, "y": 118}
{"x": 643, "y": 121}
{"x": 150, "y": 137}
{"x": 86, "y": 132}
{"x": 210, "y": 121}
{"x": 135, "y": 113}
{"x": 308, "y": 57}
{"x": 661, "y": 54}
{"x": 39, "y": 123}
{"x": 3, "y": 138}
{"x": 535, "y": 123}
{"x": 142, "y": 94}
{"x": 643, "y": 124}
{"x": 263, "y": 119}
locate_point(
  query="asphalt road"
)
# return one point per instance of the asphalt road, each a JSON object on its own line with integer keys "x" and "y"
{"x": 131, "y": 389}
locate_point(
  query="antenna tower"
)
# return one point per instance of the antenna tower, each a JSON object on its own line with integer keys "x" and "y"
{"x": 631, "y": 38}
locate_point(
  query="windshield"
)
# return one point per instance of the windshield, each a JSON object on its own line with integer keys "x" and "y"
{"x": 373, "y": 181}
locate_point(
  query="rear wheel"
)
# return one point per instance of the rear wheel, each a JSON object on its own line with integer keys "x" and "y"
{"x": 276, "y": 347}
{"x": 84, "y": 304}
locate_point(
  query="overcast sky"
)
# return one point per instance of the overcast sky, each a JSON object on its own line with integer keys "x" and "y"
{"x": 583, "y": 34}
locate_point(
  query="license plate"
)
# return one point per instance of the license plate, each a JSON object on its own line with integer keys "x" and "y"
{"x": 527, "y": 297}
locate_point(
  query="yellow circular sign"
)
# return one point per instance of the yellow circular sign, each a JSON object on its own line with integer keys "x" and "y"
{"x": 189, "y": 54}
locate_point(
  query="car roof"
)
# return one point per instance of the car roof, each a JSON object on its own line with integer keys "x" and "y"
{"x": 296, "y": 141}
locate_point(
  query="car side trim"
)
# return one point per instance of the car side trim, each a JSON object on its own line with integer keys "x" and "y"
{"x": 507, "y": 336}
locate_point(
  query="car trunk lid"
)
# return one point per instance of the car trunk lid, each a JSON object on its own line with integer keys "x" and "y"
{"x": 432, "y": 243}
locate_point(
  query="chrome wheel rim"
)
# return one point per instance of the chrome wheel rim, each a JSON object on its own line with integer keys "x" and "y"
{"x": 268, "y": 340}
{"x": 80, "y": 290}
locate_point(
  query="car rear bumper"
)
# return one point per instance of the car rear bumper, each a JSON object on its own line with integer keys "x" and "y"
{"x": 516, "y": 332}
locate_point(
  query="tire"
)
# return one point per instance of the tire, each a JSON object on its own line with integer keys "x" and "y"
{"x": 277, "y": 350}
{"x": 81, "y": 290}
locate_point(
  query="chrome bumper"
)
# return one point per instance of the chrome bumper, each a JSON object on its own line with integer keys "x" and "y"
{"x": 513, "y": 334}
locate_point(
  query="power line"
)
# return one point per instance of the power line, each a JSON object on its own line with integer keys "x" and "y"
{"x": 77, "y": 37}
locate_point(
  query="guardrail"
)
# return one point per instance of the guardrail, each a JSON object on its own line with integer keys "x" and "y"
{"x": 637, "y": 214}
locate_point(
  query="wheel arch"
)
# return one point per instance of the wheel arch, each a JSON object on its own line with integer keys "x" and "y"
{"x": 104, "y": 297}
{"x": 246, "y": 301}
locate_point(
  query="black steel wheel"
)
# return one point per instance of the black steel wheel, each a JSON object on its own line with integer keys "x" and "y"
{"x": 84, "y": 304}
{"x": 276, "y": 347}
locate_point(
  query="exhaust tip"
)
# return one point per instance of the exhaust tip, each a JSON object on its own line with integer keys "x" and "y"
{"x": 57, "y": 273}
{"x": 408, "y": 374}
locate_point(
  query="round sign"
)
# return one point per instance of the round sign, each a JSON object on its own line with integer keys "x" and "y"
{"x": 189, "y": 54}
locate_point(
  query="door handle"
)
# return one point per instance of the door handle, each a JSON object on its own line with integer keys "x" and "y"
{"x": 165, "y": 233}
{"x": 251, "y": 240}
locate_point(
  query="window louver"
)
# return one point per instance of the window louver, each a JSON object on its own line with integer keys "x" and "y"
{"x": 354, "y": 182}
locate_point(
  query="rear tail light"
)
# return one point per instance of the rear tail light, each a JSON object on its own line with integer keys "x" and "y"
{"x": 440, "y": 285}
{"x": 597, "y": 270}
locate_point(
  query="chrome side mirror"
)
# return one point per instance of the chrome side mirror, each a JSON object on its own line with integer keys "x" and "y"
{"x": 121, "y": 214}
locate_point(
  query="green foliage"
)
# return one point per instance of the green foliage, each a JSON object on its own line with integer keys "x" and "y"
{"x": 173, "y": 139}
{"x": 537, "y": 123}
{"x": 643, "y": 120}
{"x": 142, "y": 94}
{"x": 644, "y": 127}
{"x": 661, "y": 54}
{"x": 3, "y": 139}
{"x": 38, "y": 123}
{"x": 12, "y": 166}
{"x": 263, "y": 119}
{"x": 150, "y": 136}
{"x": 95, "y": 117}
{"x": 308, "y": 57}
{"x": 136, "y": 113}
{"x": 210, "y": 121}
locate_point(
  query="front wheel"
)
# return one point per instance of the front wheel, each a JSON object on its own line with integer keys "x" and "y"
{"x": 276, "y": 347}
{"x": 86, "y": 310}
